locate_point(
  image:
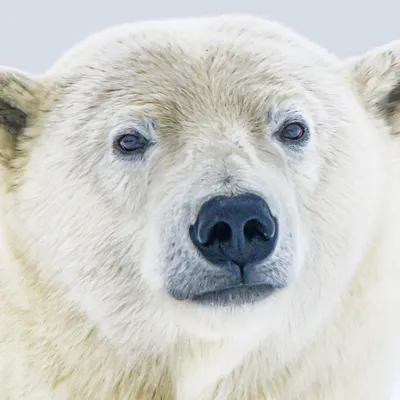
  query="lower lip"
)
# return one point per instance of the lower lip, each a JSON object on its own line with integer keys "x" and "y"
{"x": 236, "y": 296}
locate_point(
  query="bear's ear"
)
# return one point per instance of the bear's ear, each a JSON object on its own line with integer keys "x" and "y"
{"x": 376, "y": 80}
{"x": 19, "y": 102}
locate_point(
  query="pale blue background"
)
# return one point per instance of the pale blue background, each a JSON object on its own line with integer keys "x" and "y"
{"x": 34, "y": 33}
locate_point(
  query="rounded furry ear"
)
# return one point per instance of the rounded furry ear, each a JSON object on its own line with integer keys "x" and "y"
{"x": 19, "y": 101}
{"x": 376, "y": 79}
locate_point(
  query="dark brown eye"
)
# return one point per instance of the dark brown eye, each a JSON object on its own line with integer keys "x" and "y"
{"x": 293, "y": 132}
{"x": 132, "y": 142}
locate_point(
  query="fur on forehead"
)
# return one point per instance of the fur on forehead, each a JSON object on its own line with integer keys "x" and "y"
{"x": 230, "y": 29}
{"x": 170, "y": 65}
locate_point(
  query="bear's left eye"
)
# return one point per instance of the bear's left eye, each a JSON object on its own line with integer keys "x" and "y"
{"x": 293, "y": 132}
{"x": 131, "y": 142}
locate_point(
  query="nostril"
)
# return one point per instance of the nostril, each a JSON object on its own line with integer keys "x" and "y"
{"x": 220, "y": 232}
{"x": 235, "y": 229}
{"x": 254, "y": 230}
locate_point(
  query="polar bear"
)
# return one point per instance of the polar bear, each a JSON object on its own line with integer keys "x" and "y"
{"x": 200, "y": 209}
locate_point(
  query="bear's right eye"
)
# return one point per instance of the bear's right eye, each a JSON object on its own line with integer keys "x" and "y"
{"x": 131, "y": 143}
{"x": 293, "y": 132}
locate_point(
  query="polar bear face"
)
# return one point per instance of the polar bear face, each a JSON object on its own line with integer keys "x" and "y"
{"x": 213, "y": 176}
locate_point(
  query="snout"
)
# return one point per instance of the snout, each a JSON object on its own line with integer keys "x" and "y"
{"x": 235, "y": 229}
{"x": 235, "y": 235}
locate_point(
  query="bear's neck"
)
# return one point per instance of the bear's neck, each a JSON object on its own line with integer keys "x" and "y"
{"x": 76, "y": 362}
{"x": 60, "y": 348}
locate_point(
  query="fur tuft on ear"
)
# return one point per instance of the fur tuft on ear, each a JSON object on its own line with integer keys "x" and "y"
{"x": 376, "y": 79}
{"x": 19, "y": 101}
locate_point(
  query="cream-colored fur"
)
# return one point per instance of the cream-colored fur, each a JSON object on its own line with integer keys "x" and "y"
{"x": 84, "y": 313}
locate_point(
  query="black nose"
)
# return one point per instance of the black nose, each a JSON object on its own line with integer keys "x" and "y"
{"x": 238, "y": 229}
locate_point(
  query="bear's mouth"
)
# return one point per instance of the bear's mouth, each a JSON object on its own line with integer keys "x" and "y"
{"x": 236, "y": 295}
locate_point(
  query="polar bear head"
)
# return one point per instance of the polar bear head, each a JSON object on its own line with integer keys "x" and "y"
{"x": 213, "y": 176}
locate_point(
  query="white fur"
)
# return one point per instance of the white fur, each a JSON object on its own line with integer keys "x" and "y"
{"x": 84, "y": 235}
